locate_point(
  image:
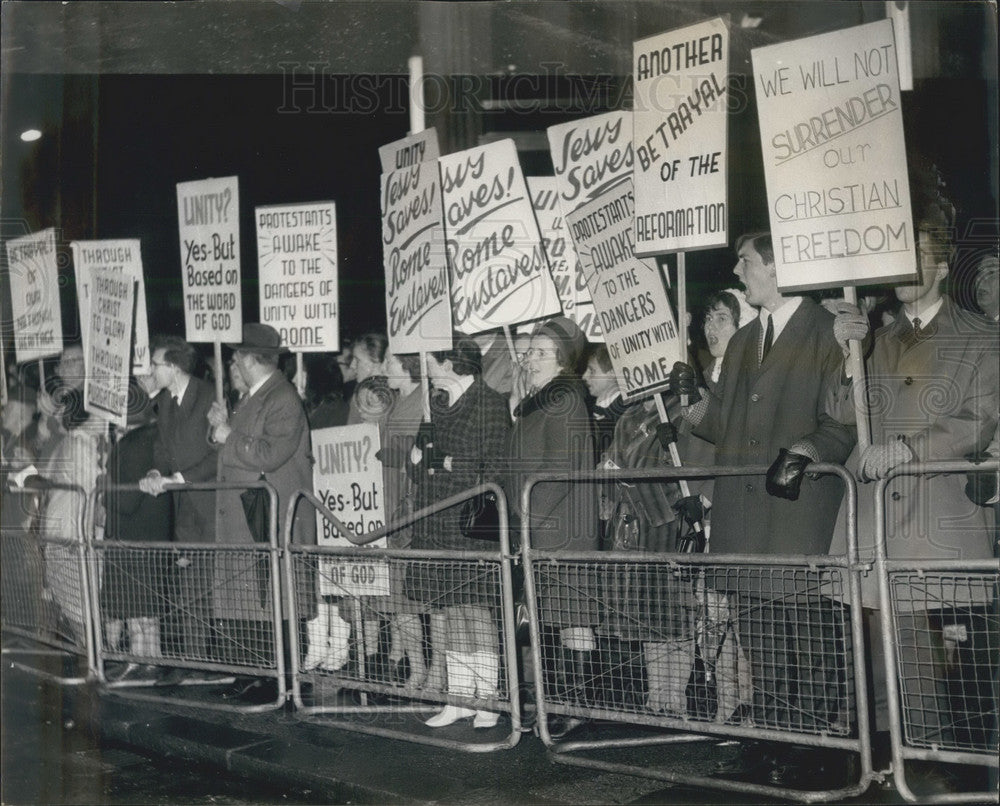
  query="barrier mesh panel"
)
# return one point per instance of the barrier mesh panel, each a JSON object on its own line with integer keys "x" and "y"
{"x": 755, "y": 646}
{"x": 415, "y": 628}
{"x": 947, "y": 634}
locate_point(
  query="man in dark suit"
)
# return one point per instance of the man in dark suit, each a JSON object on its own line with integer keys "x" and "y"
{"x": 780, "y": 373}
{"x": 183, "y": 454}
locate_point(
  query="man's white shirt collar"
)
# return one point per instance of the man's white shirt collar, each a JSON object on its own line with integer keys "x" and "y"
{"x": 780, "y": 317}
{"x": 926, "y": 316}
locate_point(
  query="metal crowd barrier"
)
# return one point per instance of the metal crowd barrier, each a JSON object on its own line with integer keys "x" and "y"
{"x": 45, "y": 591}
{"x": 943, "y": 709}
{"x": 681, "y": 642}
{"x": 209, "y": 609}
{"x": 354, "y": 596}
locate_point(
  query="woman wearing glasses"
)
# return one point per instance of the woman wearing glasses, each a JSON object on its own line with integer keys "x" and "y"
{"x": 553, "y": 433}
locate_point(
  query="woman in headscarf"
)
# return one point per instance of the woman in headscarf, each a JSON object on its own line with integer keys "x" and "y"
{"x": 459, "y": 449}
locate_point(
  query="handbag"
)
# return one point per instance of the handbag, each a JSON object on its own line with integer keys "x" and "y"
{"x": 480, "y": 517}
{"x": 257, "y": 509}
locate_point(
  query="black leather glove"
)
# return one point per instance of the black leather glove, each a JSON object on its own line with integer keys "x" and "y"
{"x": 980, "y": 485}
{"x": 690, "y": 509}
{"x": 784, "y": 477}
{"x": 683, "y": 380}
{"x": 425, "y": 435}
{"x": 666, "y": 434}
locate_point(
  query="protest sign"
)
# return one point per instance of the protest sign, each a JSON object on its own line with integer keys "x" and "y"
{"x": 208, "y": 214}
{"x": 122, "y": 256}
{"x": 109, "y": 344}
{"x": 638, "y": 323}
{"x": 679, "y": 121}
{"x": 412, "y": 150}
{"x": 297, "y": 260}
{"x": 499, "y": 274}
{"x": 34, "y": 296}
{"x": 559, "y": 249}
{"x": 831, "y": 128}
{"x": 417, "y": 297}
{"x": 591, "y": 156}
{"x": 347, "y": 478}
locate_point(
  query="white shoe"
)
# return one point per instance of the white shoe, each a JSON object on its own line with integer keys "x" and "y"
{"x": 449, "y": 715}
{"x": 485, "y": 719}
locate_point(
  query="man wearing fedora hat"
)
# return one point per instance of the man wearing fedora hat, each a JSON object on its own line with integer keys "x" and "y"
{"x": 267, "y": 437}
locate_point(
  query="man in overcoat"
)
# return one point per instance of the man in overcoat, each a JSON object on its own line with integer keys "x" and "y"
{"x": 932, "y": 395}
{"x": 266, "y": 437}
{"x": 770, "y": 407}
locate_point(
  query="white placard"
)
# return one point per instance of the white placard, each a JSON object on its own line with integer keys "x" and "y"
{"x": 679, "y": 120}
{"x": 208, "y": 214}
{"x": 297, "y": 260}
{"x": 628, "y": 292}
{"x": 34, "y": 296}
{"x": 412, "y": 150}
{"x": 117, "y": 255}
{"x": 831, "y": 129}
{"x": 499, "y": 274}
{"x": 418, "y": 298}
{"x": 591, "y": 156}
{"x": 109, "y": 344}
{"x": 347, "y": 478}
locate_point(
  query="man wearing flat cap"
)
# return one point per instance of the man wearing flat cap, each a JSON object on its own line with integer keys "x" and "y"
{"x": 267, "y": 436}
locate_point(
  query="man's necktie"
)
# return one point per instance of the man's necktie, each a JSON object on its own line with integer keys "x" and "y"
{"x": 916, "y": 327}
{"x": 768, "y": 339}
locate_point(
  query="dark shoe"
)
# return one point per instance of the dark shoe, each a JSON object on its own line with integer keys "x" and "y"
{"x": 560, "y": 726}
{"x": 255, "y": 691}
{"x": 812, "y": 769}
{"x": 752, "y": 759}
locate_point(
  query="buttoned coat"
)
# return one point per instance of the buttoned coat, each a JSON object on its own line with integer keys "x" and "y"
{"x": 182, "y": 446}
{"x": 939, "y": 393}
{"x": 269, "y": 435}
{"x": 759, "y": 408}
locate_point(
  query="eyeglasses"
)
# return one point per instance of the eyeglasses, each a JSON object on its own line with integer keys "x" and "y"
{"x": 159, "y": 363}
{"x": 539, "y": 352}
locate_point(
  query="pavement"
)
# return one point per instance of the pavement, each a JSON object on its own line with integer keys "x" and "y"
{"x": 328, "y": 759}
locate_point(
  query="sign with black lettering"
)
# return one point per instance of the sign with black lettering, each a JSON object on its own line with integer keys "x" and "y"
{"x": 417, "y": 295}
{"x": 831, "y": 130}
{"x": 555, "y": 239}
{"x": 499, "y": 274}
{"x": 679, "y": 121}
{"x": 122, "y": 256}
{"x": 208, "y": 212}
{"x": 628, "y": 292}
{"x": 412, "y": 150}
{"x": 297, "y": 259}
{"x": 347, "y": 478}
{"x": 34, "y": 296}
{"x": 590, "y": 156}
{"x": 109, "y": 344}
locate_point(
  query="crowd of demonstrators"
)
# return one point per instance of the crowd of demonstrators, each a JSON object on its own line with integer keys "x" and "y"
{"x": 775, "y": 392}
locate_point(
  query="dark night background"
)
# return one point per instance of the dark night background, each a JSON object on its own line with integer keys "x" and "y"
{"x": 113, "y": 174}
